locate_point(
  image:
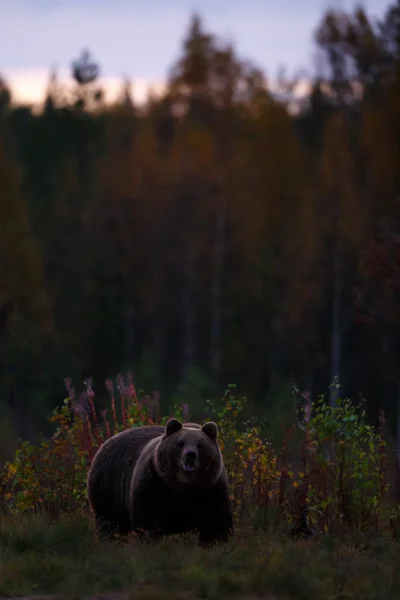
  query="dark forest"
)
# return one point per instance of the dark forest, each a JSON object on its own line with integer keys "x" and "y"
{"x": 223, "y": 232}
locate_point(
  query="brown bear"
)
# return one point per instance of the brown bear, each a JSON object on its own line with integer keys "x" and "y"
{"x": 162, "y": 481}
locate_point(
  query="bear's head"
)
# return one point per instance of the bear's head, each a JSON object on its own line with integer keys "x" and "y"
{"x": 189, "y": 455}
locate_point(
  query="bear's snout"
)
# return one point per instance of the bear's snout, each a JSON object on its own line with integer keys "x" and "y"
{"x": 190, "y": 456}
{"x": 189, "y": 461}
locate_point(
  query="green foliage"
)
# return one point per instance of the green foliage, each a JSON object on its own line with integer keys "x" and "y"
{"x": 195, "y": 385}
{"x": 278, "y": 411}
{"x": 8, "y": 435}
{"x": 146, "y": 372}
{"x": 348, "y": 455}
{"x": 49, "y": 477}
{"x": 338, "y": 475}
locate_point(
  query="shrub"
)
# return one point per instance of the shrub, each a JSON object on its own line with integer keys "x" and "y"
{"x": 344, "y": 466}
{"x": 337, "y": 479}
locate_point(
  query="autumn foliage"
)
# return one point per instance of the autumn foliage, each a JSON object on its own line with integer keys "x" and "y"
{"x": 225, "y": 230}
{"x": 333, "y": 480}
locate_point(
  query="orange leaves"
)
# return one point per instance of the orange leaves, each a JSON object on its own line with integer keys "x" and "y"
{"x": 193, "y": 152}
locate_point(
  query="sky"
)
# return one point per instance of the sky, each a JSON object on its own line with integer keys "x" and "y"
{"x": 141, "y": 40}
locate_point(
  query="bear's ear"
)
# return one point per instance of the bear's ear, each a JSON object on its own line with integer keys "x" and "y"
{"x": 172, "y": 426}
{"x": 210, "y": 429}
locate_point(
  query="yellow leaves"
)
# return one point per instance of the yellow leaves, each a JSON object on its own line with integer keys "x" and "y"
{"x": 277, "y": 561}
{"x": 10, "y": 469}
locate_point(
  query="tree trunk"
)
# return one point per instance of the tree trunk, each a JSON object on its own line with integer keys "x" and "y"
{"x": 336, "y": 333}
{"x": 189, "y": 342}
{"x": 310, "y": 384}
{"x": 129, "y": 329}
{"x": 398, "y": 421}
{"x": 158, "y": 325}
{"x": 276, "y": 358}
{"x": 216, "y": 289}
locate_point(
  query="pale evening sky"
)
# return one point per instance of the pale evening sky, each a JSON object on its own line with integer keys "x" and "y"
{"x": 142, "y": 39}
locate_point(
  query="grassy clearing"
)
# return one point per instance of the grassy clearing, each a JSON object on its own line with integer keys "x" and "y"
{"x": 64, "y": 558}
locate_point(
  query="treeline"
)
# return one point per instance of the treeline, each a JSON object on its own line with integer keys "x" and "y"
{"x": 210, "y": 236}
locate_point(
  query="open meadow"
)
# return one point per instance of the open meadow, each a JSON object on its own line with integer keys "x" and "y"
{"x": 41, "y": 558}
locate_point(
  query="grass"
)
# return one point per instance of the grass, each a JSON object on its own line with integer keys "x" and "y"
{"x": 38, "y": 556}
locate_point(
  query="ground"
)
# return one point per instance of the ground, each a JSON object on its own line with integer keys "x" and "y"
{"x": 43, "y": 560}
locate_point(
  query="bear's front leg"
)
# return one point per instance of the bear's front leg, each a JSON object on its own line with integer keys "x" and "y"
{"x": 143, "y": 512}
{"x": 212, "y": 534}
{"x": 149, "y": 536}
{"x": 109, "y": 525}
{"x": 215, "y": 522}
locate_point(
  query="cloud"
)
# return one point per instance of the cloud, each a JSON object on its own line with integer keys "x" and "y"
{"x": 29, "y": 85}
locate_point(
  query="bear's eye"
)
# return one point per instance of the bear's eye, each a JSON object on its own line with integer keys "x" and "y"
{"x": 200, "y": 446}
{"x": 181, "y": 444}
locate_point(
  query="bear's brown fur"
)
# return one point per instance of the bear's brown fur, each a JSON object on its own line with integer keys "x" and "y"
{"x": 162, "y": 481}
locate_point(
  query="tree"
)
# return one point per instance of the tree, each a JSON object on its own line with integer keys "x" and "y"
{"x": 85, "y": 72}
{"x": 24, "y": 310}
